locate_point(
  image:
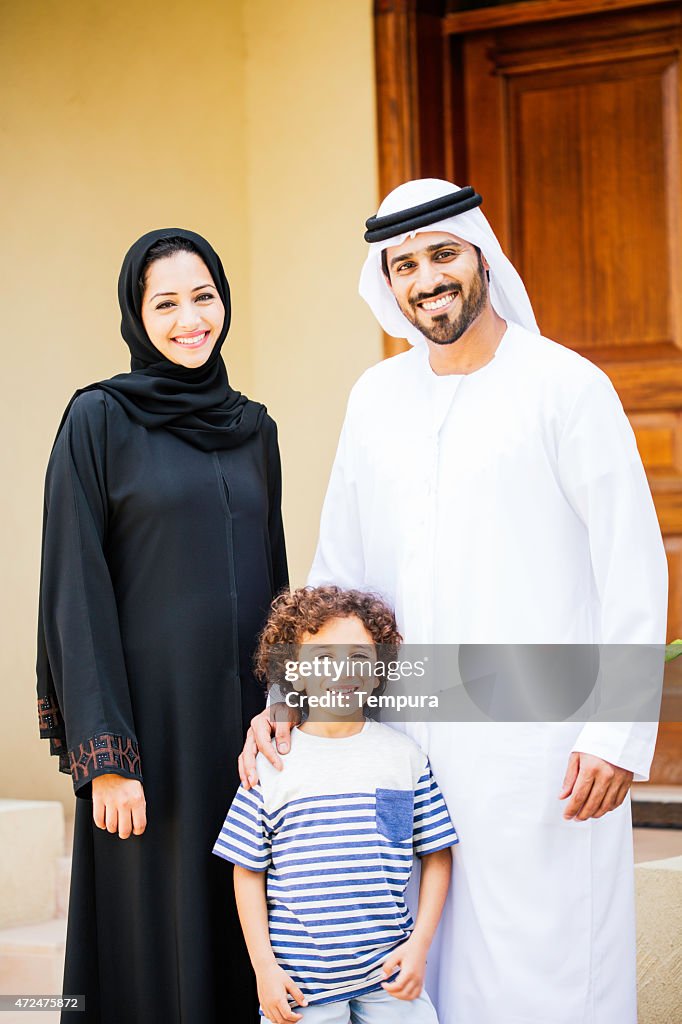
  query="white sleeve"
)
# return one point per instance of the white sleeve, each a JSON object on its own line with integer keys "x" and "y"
{"x": 603, "y": 478}
{"x": 339, "y": 557}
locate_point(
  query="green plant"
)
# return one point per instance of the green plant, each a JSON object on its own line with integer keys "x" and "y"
{"x": 673, "y": 650}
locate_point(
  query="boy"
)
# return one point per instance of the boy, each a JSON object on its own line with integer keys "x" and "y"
{"x": 323, "y": 850}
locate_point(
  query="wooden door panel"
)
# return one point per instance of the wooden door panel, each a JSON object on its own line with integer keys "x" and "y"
{"x": 656, "y": 385}
{"x": 577, "y": 147}
{"x": 673, "y": 549}
{"x": 588, "y": 203}
{"x": 667, "y": 767}
{"x": 659, "y": 439}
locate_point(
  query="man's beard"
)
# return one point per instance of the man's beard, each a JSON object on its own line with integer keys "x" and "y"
{"x": 440, "y": 329}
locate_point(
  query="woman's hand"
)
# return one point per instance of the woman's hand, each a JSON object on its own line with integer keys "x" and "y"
{"x": 273, "y": 986}
{"x": 411, "y": 958}
{"x": 118, "y": 805}
{"x": 278, "y": 719}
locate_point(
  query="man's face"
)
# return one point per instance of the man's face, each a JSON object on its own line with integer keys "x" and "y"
{"x": 440, "y": 284}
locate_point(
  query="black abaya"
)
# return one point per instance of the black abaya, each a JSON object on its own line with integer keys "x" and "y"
{"x": 160, "y": 563}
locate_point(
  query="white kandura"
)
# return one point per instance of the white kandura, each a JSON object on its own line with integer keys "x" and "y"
{"x": 508, "y": 506}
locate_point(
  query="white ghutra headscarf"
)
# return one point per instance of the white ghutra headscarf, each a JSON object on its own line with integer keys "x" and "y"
{"x": 508, "y": 295}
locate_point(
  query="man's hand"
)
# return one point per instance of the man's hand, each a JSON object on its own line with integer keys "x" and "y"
{"x": 411, "y": 958}
{"x": 273, "y": 986}
{"x": 118, "y": 805}
{"x": 278, "y": 719}
{"x": 594, "y": 786}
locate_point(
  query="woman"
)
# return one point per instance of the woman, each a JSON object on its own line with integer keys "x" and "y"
{"x": 163, "y": 548}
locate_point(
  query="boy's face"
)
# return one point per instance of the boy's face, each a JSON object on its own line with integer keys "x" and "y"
{"x": 337, "y": 663}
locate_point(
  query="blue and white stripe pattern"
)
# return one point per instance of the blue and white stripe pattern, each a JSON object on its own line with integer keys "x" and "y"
{"x": 338, "y": 851}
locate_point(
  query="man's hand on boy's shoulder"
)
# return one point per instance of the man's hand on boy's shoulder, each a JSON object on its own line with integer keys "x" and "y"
{"x": 278, "y": 719}
{"x": 410, "y": 957}
{"x": 273, "y": 986}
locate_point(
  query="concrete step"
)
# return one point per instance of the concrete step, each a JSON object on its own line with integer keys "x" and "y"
{"x": 31, "y": 841}
{"x": 32, "y": 960}
{"x": 656, "y": 806}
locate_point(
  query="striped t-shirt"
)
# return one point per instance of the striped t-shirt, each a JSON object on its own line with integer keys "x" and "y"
{"x": 336, "y": 831}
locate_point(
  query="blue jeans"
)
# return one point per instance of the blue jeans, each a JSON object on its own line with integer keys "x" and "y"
{"x": 372, "y": 1008}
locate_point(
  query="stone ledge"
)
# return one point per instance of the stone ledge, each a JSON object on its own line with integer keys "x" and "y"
{"x": 31, "y": 840}
{"x": 32, "y": 960}
{"x": 659, "y": 940}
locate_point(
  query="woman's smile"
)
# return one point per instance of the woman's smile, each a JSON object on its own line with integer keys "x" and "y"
{"x": 194, "y": 340}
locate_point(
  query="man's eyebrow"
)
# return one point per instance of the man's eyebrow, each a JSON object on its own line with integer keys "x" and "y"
{"x": 197, "y": 289}
{"x": 429, "y": 249}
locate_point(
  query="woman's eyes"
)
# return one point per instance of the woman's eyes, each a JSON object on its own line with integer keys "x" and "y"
{"x": 205, "y": 296}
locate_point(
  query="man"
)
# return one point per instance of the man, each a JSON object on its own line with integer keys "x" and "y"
{"x": 487, "y": 482}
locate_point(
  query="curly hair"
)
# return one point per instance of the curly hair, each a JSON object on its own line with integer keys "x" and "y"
{"x": 306, "y": 610}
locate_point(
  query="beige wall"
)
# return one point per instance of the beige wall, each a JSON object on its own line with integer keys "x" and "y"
{"x": 249, "y": 121}
{"x": 311, "y": 181}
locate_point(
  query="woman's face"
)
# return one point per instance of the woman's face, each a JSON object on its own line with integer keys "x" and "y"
{"x": 181, "y": 310}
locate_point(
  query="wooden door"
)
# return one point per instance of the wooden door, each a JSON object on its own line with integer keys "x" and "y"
{"x": 565, "y": 116}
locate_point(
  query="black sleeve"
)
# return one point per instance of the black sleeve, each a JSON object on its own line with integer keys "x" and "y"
{"x": 83, "y": 696}
{"x": 278, "y": 553}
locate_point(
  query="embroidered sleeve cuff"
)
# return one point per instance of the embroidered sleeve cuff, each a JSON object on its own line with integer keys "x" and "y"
{"x": 50, "y": 721}
{"x": 102, "y": 754}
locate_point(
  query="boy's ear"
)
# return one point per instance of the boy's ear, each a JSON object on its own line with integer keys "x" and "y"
{"x": 298, "y": 684}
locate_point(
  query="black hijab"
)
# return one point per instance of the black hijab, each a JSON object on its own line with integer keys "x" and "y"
{"x": 198, "y": 403}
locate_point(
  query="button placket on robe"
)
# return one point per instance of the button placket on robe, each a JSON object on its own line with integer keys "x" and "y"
{"x": 445, "y": 391}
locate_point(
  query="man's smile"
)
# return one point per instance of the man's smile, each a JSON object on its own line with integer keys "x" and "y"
{"x": 439, "y": 303}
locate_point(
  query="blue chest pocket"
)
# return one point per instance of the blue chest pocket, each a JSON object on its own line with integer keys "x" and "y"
{"x": 394, "y": 812}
